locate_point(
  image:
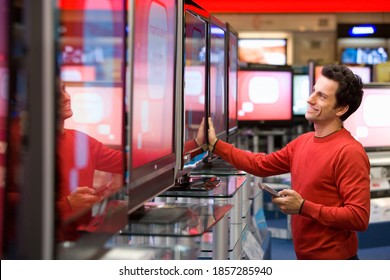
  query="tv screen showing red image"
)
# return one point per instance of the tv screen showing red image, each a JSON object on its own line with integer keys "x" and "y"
{"x": 370, "y": 124}
{"x": 264, "y": 95}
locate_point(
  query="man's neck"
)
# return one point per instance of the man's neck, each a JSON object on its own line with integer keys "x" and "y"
{"x": 322, "y": 130}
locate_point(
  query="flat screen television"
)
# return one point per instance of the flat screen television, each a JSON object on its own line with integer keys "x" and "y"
{"x": 97, "y": 102}
{"x": 263, "y": 50}
{"x": 152, "y": 51}
{"x": 232, "y": 70}
{"x": 370, "y": 124}
{"x": 217, "y": 70}
{"x": 362, "y": 55}
{"x": 195, "y": 74}
{"x": 265, "y": 96}
{"x": 97, "y": 111}
{"x": 301, "y": 92}
{"x": 364, "y": 71}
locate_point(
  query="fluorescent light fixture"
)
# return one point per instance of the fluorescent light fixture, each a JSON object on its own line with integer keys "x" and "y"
{"x": 362, "y": 30}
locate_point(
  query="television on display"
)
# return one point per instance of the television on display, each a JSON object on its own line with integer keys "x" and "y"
{"x": 301, "y": 92}
{"x": 97, "y": 111}
{"x": 217, "y": 94}
{"x": 362, "y": 55}
{"x": 265, "y": 95}
{"x": 370, "y": 124}
{"x": 262, "y": 50}
{"x": 232, "y": 67}
{"x": 152, "y": 48}
{"x": 363, "y": 71}
{"x": 195, "y": 86}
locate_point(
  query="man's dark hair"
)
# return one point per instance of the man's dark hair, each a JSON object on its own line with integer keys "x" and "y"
{"x": 350, "y": 89}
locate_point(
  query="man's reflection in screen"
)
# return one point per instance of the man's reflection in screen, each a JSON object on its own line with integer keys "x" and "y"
{"x": 83, "y": 163}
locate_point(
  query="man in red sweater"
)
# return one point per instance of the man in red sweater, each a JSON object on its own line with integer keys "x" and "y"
{"x": 78, "y": 157}
{"x": 330, "y": 196}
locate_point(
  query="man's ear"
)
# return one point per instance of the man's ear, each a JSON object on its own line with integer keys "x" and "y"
{"x": 341, "y": 110}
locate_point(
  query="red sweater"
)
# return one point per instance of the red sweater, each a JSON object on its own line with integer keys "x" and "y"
{"x": 78, "y": 156}
{"x": 332, "y": 175}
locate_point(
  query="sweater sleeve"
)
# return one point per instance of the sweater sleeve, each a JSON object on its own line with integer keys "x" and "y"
{"x": 353, "y": 183}
{"x": 258, "y": 164}
{"x": 107, "y": 159}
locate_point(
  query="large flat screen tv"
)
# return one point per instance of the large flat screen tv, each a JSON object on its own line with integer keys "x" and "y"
{"x": 152, "y": 50}
{"x": 195, "y": 87}
{"x": 265, "y": 95}
{"x": 217, "y": 70}
{"x": 370, "y": 124}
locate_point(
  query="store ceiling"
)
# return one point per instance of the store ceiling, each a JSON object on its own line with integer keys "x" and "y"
{"x": 294, "y": 6}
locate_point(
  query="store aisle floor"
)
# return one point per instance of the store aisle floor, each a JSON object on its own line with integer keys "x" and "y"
{"x": 282, "y": 249}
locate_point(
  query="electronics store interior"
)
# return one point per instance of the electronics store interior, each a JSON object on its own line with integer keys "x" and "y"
{"x": 104, "y": 109}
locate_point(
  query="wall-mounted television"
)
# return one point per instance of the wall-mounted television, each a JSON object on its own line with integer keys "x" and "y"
{"x": 265, "y": 95}
{"x": 370, "y": 124}
{"x": 364, "y": 55}
{"x": 152, "y": 51}
{"x": 262, "y": 50}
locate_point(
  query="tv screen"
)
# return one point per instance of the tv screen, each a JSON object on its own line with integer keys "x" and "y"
{"x": 217, "y": 79}
{"x": 195, "y": 81}
{"x": 370, "y": 124}
{"x": 301, "y": 92}
{"x": 265, "y": 94}
{"x": 97, "y": 111}
{"x": 363, "y": 71}
{"x": 232, "y": 57}
{"x": 364, "y": 55}
{"x": 152, "y": 86}
{"x": 263, "y": 50}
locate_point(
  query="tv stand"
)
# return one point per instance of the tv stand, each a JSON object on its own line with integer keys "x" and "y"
{"x": 198, "y": 183}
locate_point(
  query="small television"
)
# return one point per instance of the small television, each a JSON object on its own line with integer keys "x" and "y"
{"x": 363, "y": 55}
{"x": 217, "y": 70}
{"x": 97, "y": 111}
{"x": 262, "y": 50}
{"x": 363, "y": 71}
{"x": 301, "y": 92}
{"x": 232, "y": 70}
{"x": 370, "y": 124}
{"x": 265, "y": 96}
{"x": 152, "y": 63}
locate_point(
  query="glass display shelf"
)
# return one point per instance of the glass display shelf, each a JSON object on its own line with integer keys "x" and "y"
{"x": 175, "y": 220}
{"x": 216, "y": 166}
{"x": 207, "y": 187}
